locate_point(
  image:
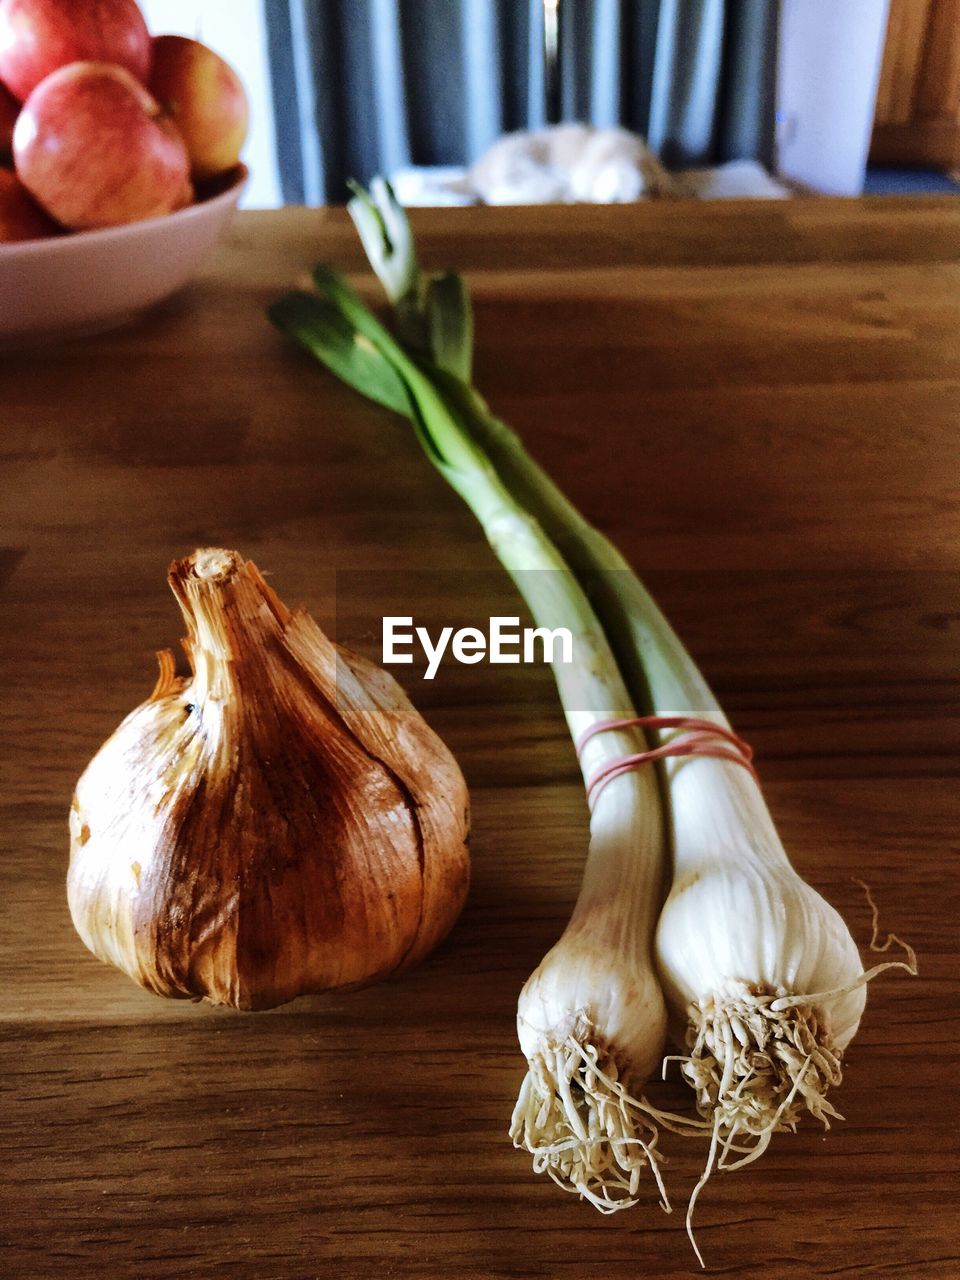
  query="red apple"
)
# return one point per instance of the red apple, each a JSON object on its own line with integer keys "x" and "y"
{"x": 9, "y": 110}
{"x": 20, "y": 217}
{"x": 38, "y": 36}
{"x": 206, "y": 98}
{"x": 94, "y": 148}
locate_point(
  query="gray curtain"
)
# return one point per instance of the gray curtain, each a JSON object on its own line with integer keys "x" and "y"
{"x": 363, "y": 86}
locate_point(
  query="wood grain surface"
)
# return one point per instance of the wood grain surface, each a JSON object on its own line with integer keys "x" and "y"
{"x": 760, "y": 404}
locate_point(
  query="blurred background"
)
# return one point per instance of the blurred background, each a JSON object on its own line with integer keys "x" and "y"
{"x": 817, "y": 95}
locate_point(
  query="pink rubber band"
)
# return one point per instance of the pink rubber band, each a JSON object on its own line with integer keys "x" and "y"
{"x": 701, "y": 740}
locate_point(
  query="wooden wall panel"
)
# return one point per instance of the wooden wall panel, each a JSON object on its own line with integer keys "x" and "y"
{"x": 918, "y": 101}
{"x": 938, "y": 88}
{"x": 903, "y": 54}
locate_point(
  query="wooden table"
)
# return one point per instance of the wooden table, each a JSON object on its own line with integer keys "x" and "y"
{"x": 759, "y": 403}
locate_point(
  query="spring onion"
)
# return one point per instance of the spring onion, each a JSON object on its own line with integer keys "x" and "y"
{"x": 763, "y": 981}
{"x": 591, "y": 1019}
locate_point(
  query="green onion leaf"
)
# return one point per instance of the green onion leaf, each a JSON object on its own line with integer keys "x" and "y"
{"x": 450, "y": 325}
{"x": 322, "y": 329}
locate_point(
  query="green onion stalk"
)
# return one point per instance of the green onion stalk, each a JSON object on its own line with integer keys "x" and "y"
{"x": 592, "y": 1020}
{"x": 763, "y": 982}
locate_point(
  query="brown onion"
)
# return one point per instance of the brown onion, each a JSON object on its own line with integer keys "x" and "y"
{"x": 281, "y": 822}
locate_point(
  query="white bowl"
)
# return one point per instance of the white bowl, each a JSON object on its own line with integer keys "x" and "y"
{"x": 95, "y": 280}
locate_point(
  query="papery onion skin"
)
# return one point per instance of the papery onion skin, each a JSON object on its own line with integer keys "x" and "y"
{"x": 282, "y": 822}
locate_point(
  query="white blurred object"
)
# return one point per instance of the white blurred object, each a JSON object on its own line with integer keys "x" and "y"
{"x": 735, "y": 180}
{"x": 566, "y": 164}
{"x": 427, "y": 186}
{"x": 829, "y": 58}
{"x": 432, "y": 186}
{"x": 236, "y": 29}
{"x": 615, "y": 167}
